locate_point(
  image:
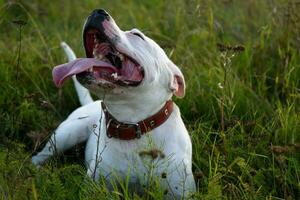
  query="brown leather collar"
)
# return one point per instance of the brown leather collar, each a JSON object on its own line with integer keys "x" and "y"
{"x": 124, "y": 131}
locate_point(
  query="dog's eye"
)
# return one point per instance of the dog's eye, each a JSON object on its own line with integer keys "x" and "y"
{"x": 139, "y": 35}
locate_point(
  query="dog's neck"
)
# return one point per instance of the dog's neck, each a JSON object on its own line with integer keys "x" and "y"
{"x": 129, "y": 112}
{"x": 132, "y": 105}
{"x": 137, "y": 107}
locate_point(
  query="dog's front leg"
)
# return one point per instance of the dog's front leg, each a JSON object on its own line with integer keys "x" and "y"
{"x": 181, "y": 182}
{"x": 75, "y": 129}
{"x": 68, "y": 134}
{"x": 95, "y": 147}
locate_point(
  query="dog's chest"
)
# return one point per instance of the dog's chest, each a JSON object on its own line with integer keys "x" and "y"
{"x": 135, "y": 158}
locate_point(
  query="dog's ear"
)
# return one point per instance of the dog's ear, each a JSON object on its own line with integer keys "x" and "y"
{"x": 177, "y": 83}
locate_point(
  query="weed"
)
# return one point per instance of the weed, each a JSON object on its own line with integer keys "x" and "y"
{"x": 245, "y": 130}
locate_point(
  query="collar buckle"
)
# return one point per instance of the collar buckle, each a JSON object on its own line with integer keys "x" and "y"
{"x": 138, "y": 131}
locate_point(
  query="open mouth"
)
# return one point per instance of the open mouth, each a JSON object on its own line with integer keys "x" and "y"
{"x": 104, "y": 65}
{"x": 124, "y": 70}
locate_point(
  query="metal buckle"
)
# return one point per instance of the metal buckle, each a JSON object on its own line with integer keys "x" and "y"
{"x": 107, "y": 127}
{"x": 138, "y": 130}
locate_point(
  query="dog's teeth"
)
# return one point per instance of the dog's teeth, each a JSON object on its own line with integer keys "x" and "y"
{"x": 114, "y": 75}
{"x": 96, "y": 41}
{"x": 121, "y": 56}
{"x": 95, "y": 53}
{"x": 98, "y": 56}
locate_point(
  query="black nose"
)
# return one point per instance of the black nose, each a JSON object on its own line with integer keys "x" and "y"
{"x": 96, "y": 18}
{"x": 99, "y": 12}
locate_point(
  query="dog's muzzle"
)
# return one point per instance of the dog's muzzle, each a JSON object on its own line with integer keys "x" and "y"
{"x": 105, "y": 66}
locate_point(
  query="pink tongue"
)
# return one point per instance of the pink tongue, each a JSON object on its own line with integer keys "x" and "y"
{"x": 61, "y": 72}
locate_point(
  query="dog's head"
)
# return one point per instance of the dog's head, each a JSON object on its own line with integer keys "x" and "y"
{"x": 123, "y": 64}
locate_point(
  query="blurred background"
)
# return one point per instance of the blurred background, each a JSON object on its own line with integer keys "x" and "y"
{"x": 242, "y": 67}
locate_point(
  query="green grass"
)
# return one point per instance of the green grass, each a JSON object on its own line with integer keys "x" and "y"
{"x": 255, "y": 155}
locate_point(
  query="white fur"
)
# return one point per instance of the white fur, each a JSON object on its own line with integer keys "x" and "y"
{"x": 110, "y": 157}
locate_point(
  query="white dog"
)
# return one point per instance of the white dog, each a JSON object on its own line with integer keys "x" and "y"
{"x": 136, "y": 131}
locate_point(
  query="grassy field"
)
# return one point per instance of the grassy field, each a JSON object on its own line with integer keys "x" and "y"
{"x": 241, "y": 61}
